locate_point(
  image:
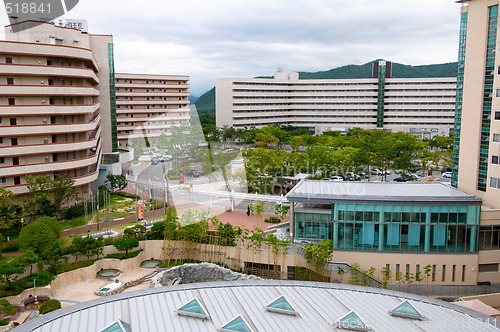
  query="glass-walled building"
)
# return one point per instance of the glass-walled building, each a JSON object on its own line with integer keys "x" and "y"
{"x": 387, "y": 217}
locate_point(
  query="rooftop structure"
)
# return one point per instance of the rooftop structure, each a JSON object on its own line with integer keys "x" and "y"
{"x": 264, "y": 305}
{"x": 328, "y": 192}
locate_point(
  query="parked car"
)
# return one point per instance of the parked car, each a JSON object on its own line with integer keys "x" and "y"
{"x": 363, "y": 175}
{"x": 184, "y": 156}
{"x": 375, "y": 171}
{"x": 415, "y": 176}
{"x": 228, "y": 151}
{"x": 166, "y": 158}
{"x": 446, "y": 170}
{"x": 336, "y": 178}
{"x": 447, "y": 175}
{"x": 350, "y": 176}
{"x": 154, "y": 161}
{"x": 193, "y": 173}
{"x": 401, "y": 179}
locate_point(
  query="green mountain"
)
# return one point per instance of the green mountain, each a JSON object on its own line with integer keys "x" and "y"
{"x": 206, "y": 102}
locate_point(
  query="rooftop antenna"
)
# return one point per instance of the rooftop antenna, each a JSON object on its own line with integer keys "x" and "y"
{"x": 280, "y": 69}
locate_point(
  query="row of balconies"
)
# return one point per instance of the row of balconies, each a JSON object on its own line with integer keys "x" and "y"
{"x": 59, "y": 51}
{"x": 43, "y": 129}
{"x": 41, "y": 110}
{"x": 151, "y": 86}
{"x": 56, "y": 166}
{"x": 184, "y": 102}
{"x": 38, "y": 70}
{"x": 47, "y": 90}
{"x": 151, "y": 94}
{"x": 45, "y": 148}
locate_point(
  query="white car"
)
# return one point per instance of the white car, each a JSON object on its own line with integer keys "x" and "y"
{"x": 447, "y": 175}
{"x": 336, "y": 178}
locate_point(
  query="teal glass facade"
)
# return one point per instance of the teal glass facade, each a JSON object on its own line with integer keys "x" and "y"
{"x": 112, "y": 98}
{"x": 393, "y": 227}
{"x": 459, "y": 97}
{"x": 381, "y": 96}
{"x": 487, "y": 98}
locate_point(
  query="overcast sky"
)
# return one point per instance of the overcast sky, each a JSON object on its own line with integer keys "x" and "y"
{"x": 246, "y": 38}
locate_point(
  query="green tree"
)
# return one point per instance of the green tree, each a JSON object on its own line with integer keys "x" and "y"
{"x": 54, "y": 225}
{"x": 9, "y": 272}
{"x": 10, "y": 212}
{"x": 36, "y": 236}
{"x": 52, "y": 256}
{"x": 86, "y": 246}
{"x": 126, "y": 244}
{"x": 28, "y": 259}
{"x": 116, "y": 182}
{"x": 257, "y": 208}
{"x": 46, "y": 196}
{"x": 319, "y": 254}
{"x": 49, "y": 305}
{"x": 6, "y": 308}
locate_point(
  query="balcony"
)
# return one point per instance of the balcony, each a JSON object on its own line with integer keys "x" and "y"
{"x": 51, "y": 129}
{"x": 23, "y": 150}
{"x": 56, "y": 166}
{"x": 39, "y": 70}
{"x": 59, "y": 51}
{"x": 24, "y": 110}
{"x": 48, "y": 90}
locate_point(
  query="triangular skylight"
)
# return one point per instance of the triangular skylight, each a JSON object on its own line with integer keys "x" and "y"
{"x": 406, "y": 310}
{"x": 236, "y": 325}
{"x": 118, "y": 326}
{"x": 193, "y": 308}
{"x": 281, "y": 306}
{"x": 352, "y": 322}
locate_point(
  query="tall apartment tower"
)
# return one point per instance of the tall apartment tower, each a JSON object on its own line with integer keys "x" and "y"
{"x": 56, "y": 104}
{"x": 476, "y": 152}
{"x": 150, "y": 105}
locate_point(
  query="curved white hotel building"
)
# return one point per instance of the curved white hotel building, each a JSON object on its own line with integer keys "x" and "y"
{"x": 56, "y": 98}
{"x": 420, "y": 106}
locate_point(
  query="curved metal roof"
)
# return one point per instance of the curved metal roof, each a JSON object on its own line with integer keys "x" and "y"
{"x": 331, "y": 191}
{"x": 319, "y": 307}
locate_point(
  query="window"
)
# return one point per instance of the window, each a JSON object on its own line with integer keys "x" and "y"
{"x": 8, "y": 59}
{"x": 493, "y": 267}
{"x": 17, "y": 180}
{"x": 463, "y": 272}
{"x": 497, "y": 115}
{"x": 453, "y": 272}
{"x": 495, "y": 160}
{"x": 3, "y": 180}
{"x": 496, "y": 138}
{"x": 2, "y": 160}
{"x": 433, "y": 272}
{"x": 1, "y": 140}
{"x": 12, "y": 101}
{"x": 495, "y": 183}
{"x": 10, "y": 80}
{"x": 443, "y": 277}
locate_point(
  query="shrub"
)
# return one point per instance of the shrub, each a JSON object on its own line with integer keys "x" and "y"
{"x": 12, "y": 247}
{"x": 43, "y": 278}
{"x": 49, "y": 305}
{"x": 2, "y": 238}
{"x": 272, "y": 220}
{"x": 4, "y": 322}
{"x": 123, "y": 256}
{"x": 6, "y": 308}
{"x": 74, "y": 211}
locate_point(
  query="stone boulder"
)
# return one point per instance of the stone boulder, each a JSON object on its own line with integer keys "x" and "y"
{"x": 191, "y": 273}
